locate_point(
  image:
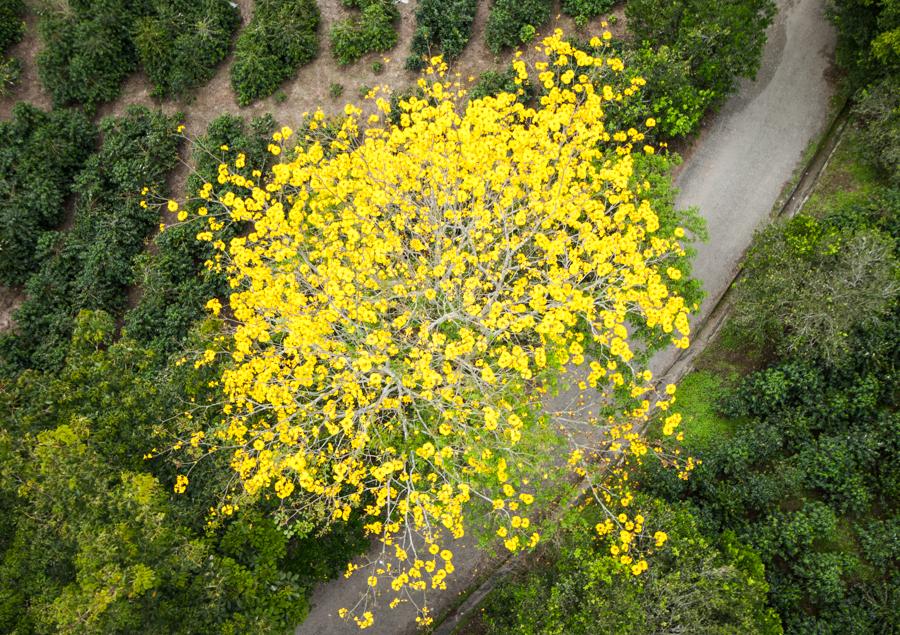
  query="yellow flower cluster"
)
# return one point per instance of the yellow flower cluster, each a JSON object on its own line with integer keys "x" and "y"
{"x": 407, "y": 283}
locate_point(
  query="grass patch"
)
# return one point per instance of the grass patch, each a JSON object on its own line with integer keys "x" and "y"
{"x": 846, "y": 174}
{"x": 697, "y": 396}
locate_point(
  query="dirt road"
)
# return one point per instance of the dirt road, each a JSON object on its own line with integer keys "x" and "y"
{"x": 734, "y": 174}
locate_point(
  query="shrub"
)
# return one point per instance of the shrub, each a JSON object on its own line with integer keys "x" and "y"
{"x": 87, "y": 51}
{"x": 878, "y": 116}
{"x": 182, "y": 41}
{"x": 11, "y": 25}
{"x": 441, "y": 27}
{"x": 373, "y": 30}
{"x": 281, "y": 37}
{"x": 40, "y": 153}
{"x": 492, "y": 83}
{"x": 585, "y": 9}
{"x": 509, "y": 17}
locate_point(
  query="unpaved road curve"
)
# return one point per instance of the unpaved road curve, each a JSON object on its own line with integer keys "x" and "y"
{"x": 734, "y": 174}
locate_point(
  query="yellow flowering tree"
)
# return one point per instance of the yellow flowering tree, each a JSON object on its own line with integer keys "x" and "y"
{"x": 413, "y": 283}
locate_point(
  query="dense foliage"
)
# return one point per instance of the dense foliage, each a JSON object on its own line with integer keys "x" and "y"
{"x": 809, "y": 480}
{"x": 87, "y": 50}
{"x": 40, "y": 153}
{"x": 806, "y": 473}
{"x": 877, "y": 113}
{"x": 94, "y": 541}
{"x": 282, "y": 36}
{"x": 513, "y": 22}
{"x": 442, "y": 28}
{"x": 692, "y": 53}
{"x": 12, "y": 27}
{"x": 576, "y": 586}
{"x": 373, "y": 30}
{"x": 90, "y": 46}
{"x": 868, "y": 38}
{"x": 90, "y": 266}
{"x": 810, "y": 283}
{"x": 175, "y": 284}
{"x": 180, "y": 42}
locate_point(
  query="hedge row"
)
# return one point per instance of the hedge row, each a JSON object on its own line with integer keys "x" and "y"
{"x": 90, "y": 48}
{"x": 91, "y": 266}
{"x": 373, "y": 30}
{"x": 181, "y": 42}
{"x": 174, "y": 282}
{"x": 442, "y": 26}
{"x": 281, "y": 37}
{"x": 513, "y": 22}
{"x": 40, "y": 153}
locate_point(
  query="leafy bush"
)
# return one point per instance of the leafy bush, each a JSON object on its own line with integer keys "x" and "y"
{"x": 12, "y": 27}
{"x": 582, "y": 10}
{"x": 40, "y": 153}
{"x": 670, "y": 94}
{"x": 182, "y": 41}
{"x": 878, "y": 115}
{"x": 374, "y": 30}
{"x": 175, "y": 283}
{"x": 97, "y": 543}
{"x": 509, "y": 17}
{"x": 90, "y": 266}
{"x": 868, "y": 38}
{"x": 87, "y": 51}
{"x": 441, "y": 27}
{"x": 281, "y": 37}
{"x": 719, "y": 41}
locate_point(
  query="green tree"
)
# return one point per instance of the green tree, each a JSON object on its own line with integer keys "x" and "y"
{"x": 40, "y": 153}
{"x": 809, "y": 284}
{"x": 441, "y": 27}
{"x": 720, "y": 41}
{"x": 508, "y": 19}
